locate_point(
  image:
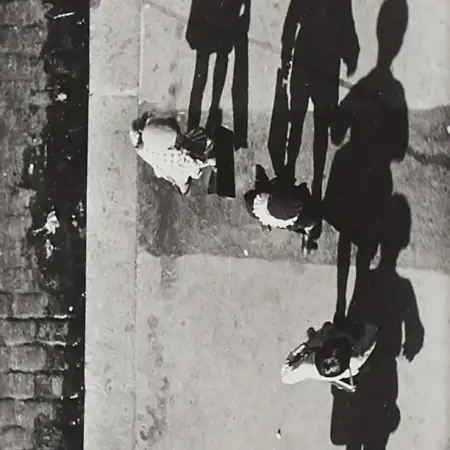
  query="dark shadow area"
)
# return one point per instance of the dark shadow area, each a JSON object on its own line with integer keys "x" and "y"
{"x": 60, "y": 181}
{"x": 360, "y": 182}
{"x": 365, "y": 420}
{"x": 317, "y": 35}
{"x": 219, "y": 27}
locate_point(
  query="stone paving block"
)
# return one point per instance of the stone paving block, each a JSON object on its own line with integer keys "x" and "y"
{"x": 17, "y": 385}
{"x": 115, "y": 47}
{"x": 13, "y": 332}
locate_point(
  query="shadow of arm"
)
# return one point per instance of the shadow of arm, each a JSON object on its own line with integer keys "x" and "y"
{"x": 341, "y": 120}
{"x": 414, "y": 330}
{"x": 399, "y": 133}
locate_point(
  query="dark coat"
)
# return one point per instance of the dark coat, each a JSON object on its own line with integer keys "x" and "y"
{"x": 215, "y": 25}
{"x": 285, "y": 201}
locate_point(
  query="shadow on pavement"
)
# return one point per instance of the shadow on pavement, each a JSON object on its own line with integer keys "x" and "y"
{"x": 220, "y": 27}
{"x": 365, "y": 420}
{"x": 360, "y": 183}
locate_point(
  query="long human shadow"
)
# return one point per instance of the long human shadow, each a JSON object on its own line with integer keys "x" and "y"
{"x": 366, "y": 419}
{"x": 316, "y": 37}
{"x": 360, "y": 182}
{"x": 218, "y": 27}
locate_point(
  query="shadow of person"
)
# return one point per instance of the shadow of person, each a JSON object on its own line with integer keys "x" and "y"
{"x": 326, "y": 35}
{"x": 360, "y": 182}
{"x": 364, "y": 420}
{"x": 219, "y": 27}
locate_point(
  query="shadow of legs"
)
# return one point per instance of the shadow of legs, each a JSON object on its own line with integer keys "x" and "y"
{"x": 343, "y": 268}
{"x": 299, "y": 105}
{"x": 198, "y": 89}
{"x": 322, "y": 118}
{"x": 220, "y": 74}
{"x": 320, "y": 149}
{"x": 239, "y": 93}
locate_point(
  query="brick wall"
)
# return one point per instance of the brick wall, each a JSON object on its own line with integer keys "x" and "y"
{"x": 37, "y": 324}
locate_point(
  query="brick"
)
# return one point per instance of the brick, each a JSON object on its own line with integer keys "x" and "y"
{"x": 56, "y": 358}
{"x": 28, "y": 358}
{"x": 20, "y": 280}
{"x": 6, "y": 300}
{"x": 49, "y": 386}
{"x": 13, "y": 332}
{"x": 7, "y": 412}
{"x": 54, "y": 331}
{"x": 14, "y": 437}
{"x": 19, "y": 225}
{"x": 22, "y": 13}
{"x": 46, "y": 435}
{"x": 5, "y": 357}
{"x": 8, "y": 65}
{"x": 28, "y": 40}
{"x": 26, "y": 412}
{"x": 7, "y": 242}
{"x": 17, "y": 385}
{"x": 14, "y": 257}
{"x": 30, "y": 305}
{"x": 19, "y": 204}
{"x": 60, "y": 306}
{"x": 15, "y": 67}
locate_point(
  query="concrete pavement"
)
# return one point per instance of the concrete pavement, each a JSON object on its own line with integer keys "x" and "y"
{"x": 216, "y": 335}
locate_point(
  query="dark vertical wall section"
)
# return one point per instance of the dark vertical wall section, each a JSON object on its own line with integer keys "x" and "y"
{"x": 59, "y": 178}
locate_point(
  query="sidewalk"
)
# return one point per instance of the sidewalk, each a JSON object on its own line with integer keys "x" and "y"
{"x": 156, "y": 325}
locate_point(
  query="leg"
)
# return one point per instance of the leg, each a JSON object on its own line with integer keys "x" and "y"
{"x": 198, "y": 88}
{"x": 239, "y": 93}
{"x": 220, "y": 74}
{"x": 299, "y": 106}
{"x": 343, "y": 268}
{"x": 364, "y": 257}
{"x": 322, "y": 117}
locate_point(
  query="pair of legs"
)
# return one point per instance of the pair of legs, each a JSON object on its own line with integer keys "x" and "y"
{"x": 199, "y": 85}
{"x": 239, "y": 90}
{"x": 366, "y": 252}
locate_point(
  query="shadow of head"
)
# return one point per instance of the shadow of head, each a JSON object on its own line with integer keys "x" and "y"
{"x": 391, "y": 28}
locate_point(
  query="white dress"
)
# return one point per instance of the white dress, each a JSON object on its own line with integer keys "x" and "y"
{"x": 156, "y": 146}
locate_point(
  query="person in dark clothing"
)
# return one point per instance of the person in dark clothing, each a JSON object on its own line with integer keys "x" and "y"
{"x": 219, "y": 27}
{"x": 326, "y": 35}
{"x": 282, "y": 205}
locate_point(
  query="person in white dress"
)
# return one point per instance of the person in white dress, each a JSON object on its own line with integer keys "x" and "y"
{"x": 176, "y": 157}
{"x": 330, "y": 355}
